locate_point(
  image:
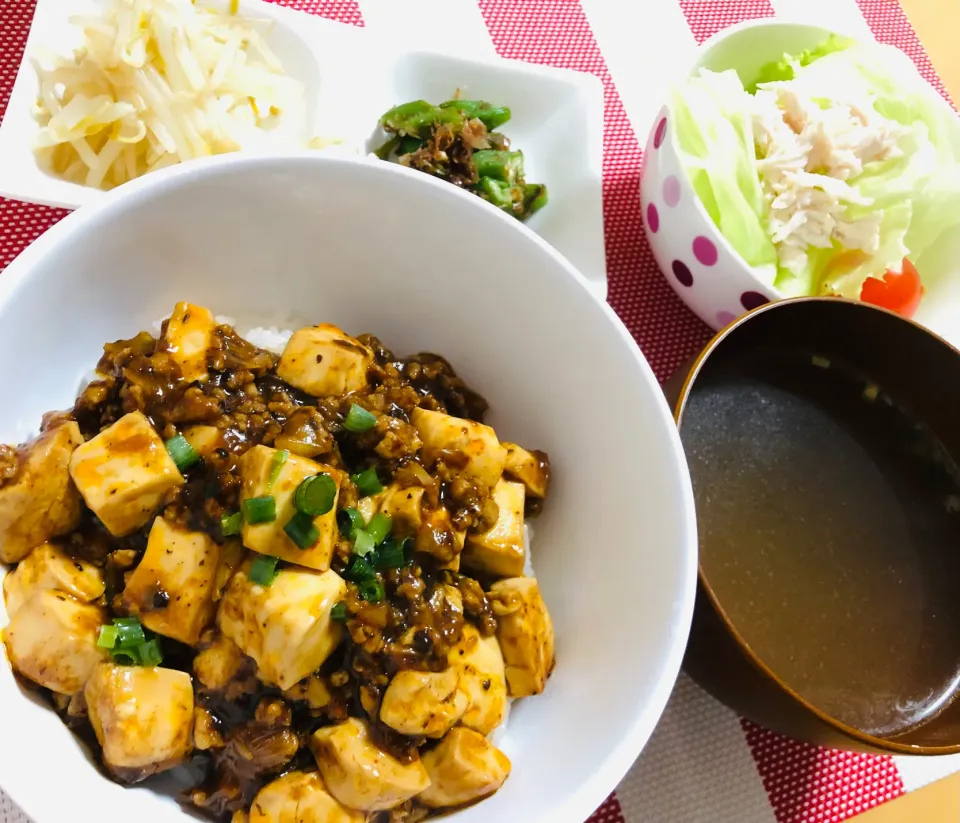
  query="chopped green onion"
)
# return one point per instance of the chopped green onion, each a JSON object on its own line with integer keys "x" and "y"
{"x": 370, "y": 590}
{"x": 391, "y": 554}
{"x": 316, "y": 495}
{"x": 125, "y": 657}
{"x": 259, "y": 510}
{"x": 349, "y": 521}
{"x": 379, "y": 527}
{"x": 339, "y": 613}
{"x": 363, "y": 542}
{"x": 367, "y": 482}
{"x": 263, "y": 570}
{"x": 302, "y": 530}
{"x": 107, "y": 637}
{"x": 359, "y": 570}
{"x": 231, "y": 524}
{"x": 359, "y": 420}
{"x": 276, "y": 466}
{"x": 129, "y": 632}
{"x": 150, "y": 653}
{"x": 181, "y": 452}
{"x": 128, "y": 643}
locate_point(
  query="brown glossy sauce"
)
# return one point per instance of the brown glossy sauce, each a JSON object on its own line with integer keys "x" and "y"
{"x": 830, "y": 535}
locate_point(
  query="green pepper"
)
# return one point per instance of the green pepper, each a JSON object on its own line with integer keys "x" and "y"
{"x": 505, "y": 166}
{"x": 418, "y": 117}
{"x": 534, "y": 198}
{"x": 520, "y": 201}
{"x": 387, "y": 148}
{"x": 495, "y": 192}
{"x": 408, "y": 145}
{"x": 491, "y": 116}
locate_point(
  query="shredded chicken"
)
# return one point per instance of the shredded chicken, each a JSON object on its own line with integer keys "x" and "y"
{"x": 808, "y": 151}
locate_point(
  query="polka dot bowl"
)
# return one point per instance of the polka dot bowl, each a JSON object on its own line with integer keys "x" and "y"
{"x": 698, "y": 262}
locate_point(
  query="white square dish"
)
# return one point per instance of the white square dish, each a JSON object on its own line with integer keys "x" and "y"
{"x": 351, "y": 76}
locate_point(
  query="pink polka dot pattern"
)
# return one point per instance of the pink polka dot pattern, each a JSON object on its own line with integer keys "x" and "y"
{"x": 653, "y": 218}
{"x": 725, "y": 318}
{"x": 753, "y": 299}
{"x": 808, "y": 784}
{"x": 660, "y": 133}
{"x": 704, "y": 250}
{"x": 682, "y": 272}
{"x": 557, "y": 33}
{"x": 671, "y": 191}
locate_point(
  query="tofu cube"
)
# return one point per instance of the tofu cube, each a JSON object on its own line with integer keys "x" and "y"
{"x": 219, "y": 663}
{"x": 205, "y": 439}
{"x": 49, "y": 567}
{"x": 463, "y": 768}
{"x": 359, "y": 774}
{"x": 405, "y": 508}
{"x": 500, "y": 551}
{"x": 188, "y": 338}
{"x": 300, "y": 797}
{"x": 479, "y": 663}
{"x": 285, "y": 627}
{"x": 475, "y": 444}
{"x": 525, "y": 633}
{"x": 172, "y": 589}
{"x": 530, "y": 468}
{"x": 424, "y": 703}
{"x": 439, "y": 538}
{"x": 322, "y": 360}
{"x": 256, "y": 467}
{"x": 142, "y": 717}
{"x": 52, "y": 640}
{"x": 41, "y": 502}
{"x": 123, "y": 474}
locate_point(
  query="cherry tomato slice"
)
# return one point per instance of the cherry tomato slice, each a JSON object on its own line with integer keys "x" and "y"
{"x": 898, "y": 291}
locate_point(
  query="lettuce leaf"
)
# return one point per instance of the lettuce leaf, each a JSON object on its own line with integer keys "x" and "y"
{"x": 786, "y": 67}
{"x": 916, "y": 191}
{"x": 715, "y": 137}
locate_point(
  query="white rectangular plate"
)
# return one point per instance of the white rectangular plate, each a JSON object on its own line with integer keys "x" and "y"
{"x": 352, "y": 76}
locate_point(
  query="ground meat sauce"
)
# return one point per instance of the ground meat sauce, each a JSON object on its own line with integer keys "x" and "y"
{"x": 255, "y": 732}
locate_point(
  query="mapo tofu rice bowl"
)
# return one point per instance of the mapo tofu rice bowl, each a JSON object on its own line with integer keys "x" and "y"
{"x": 311, "y": 509}
{"x": 304, "y": 573}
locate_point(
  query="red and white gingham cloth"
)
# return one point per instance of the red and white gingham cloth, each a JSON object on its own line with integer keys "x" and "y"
{"x": 703, "y": 764}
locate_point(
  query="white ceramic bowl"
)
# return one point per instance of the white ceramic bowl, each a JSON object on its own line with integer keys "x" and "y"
{"x": 375, "y": 247}
{"x": 698, "y": 262}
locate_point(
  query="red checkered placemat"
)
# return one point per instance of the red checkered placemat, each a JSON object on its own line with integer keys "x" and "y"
{"x": 703, "y": 765}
